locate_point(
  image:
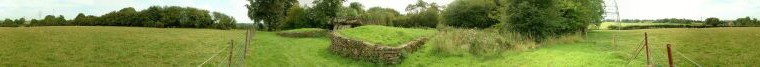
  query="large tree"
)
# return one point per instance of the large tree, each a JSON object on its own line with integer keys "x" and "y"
{"x": 544, "y": 18}
{"x": 713, "y": 21}
{"x": 326, "y": 10}
{"x": 271, "y": 12}
{"x": 297, "y": 18}
{"x": 60, "y": 20}
{"x": 421, "y": 14}
{"x": 7, "y": 21}
{"x": 381, "y": 16}
{"x": 19, "y": 21}
{"x": 79, "y": 20}
{"x": 357, "y": 6}
{"x": 223, "y": 21}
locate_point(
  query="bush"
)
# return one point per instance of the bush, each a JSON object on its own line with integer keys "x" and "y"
{"x": 303, "y": 32}
{"x": 460, "y": 42}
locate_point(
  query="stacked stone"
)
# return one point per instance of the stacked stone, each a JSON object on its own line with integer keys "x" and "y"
{"x": 366, "y": 51}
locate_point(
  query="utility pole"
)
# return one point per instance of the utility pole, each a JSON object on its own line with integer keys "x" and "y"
{"x": 611, "y": 9}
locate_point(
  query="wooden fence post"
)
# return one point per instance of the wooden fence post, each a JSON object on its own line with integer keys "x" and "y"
{"x": 232, "y": 46}
{"x": 670, "y": 57}
{"x": 646, "y": 47}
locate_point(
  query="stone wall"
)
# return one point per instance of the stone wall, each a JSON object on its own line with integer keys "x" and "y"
{"x": 366, "y": 51}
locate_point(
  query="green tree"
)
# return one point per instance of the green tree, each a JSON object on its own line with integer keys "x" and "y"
{"x": 271, "y": 12}
{"x": 7, "y": 22}
{"x": 325, "y": 10}
{"x": 297, "y": 18}
{"x": 19, "y": 21}
{"x": 541, "y": 19}
{"x": 60, "y": 20}
{"x": 746, "y": 21}
{"x": 422, "y": 14}
{"x": 48, "y": 21}
{"x": 223, "y": 21}
{"x": 381, "y": 16}
{"x": 713, "y": 21}
{"x": 357, "y": 6}
{"x": 417, "y": 7}
{"x": 33, "y": 22}
{"x": 79, "y": 20}
{"x": 471, "y": 13}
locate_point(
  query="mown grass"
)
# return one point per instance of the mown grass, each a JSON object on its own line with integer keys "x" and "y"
{"x": 270, "y": 50}
{"x": 110, "y": 46}
{"x": 384, "y": 35}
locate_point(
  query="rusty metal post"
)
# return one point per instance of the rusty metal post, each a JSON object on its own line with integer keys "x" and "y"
{"x": 229, "y": 60}
{"x": 670, "y": 56}
{"x": 646, "y": 47}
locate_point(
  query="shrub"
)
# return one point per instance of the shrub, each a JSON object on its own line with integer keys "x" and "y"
{"x": 460, "y": 42}
{"x": 303, "y": 32}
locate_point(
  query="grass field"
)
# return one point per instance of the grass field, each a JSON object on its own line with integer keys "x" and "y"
{"x": 731, "y": 46}
{"x": 384, "y": 35}
{"x": 595, "y": 51}
{"x": 606, "y": 25}
{"x": 135, "y": 46}
{"x": 110, "y": 46}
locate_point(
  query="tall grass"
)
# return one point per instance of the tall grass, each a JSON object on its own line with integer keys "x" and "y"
{"x": 564, "y": 39}
{"x": 458, "y": 42}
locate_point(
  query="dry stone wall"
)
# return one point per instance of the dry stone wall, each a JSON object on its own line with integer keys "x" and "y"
{"x": 366, "y": 51}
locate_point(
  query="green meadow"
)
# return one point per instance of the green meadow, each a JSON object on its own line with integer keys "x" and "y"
{"x": 110, "y": 46}
{"x": 137, "y": 46}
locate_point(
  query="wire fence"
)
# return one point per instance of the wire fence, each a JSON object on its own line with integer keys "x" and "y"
{"x": 651, "y": 59}
{"x": 232, "y": 55}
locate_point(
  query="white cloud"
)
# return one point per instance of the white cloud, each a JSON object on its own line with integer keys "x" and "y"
{"x": 689, "y": 9}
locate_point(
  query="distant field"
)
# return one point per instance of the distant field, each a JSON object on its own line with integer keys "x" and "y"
{"x": 605, "y": 25}
{"x": 711, "y": 47}
{"x": 110, "y": 46}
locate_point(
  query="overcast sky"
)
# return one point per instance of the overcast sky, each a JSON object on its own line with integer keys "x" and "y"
{"x": 629, "y": 9}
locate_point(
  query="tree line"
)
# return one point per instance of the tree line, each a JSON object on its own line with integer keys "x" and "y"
{"x": 154, "y": 16}
{"x": 536, "y": 18}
